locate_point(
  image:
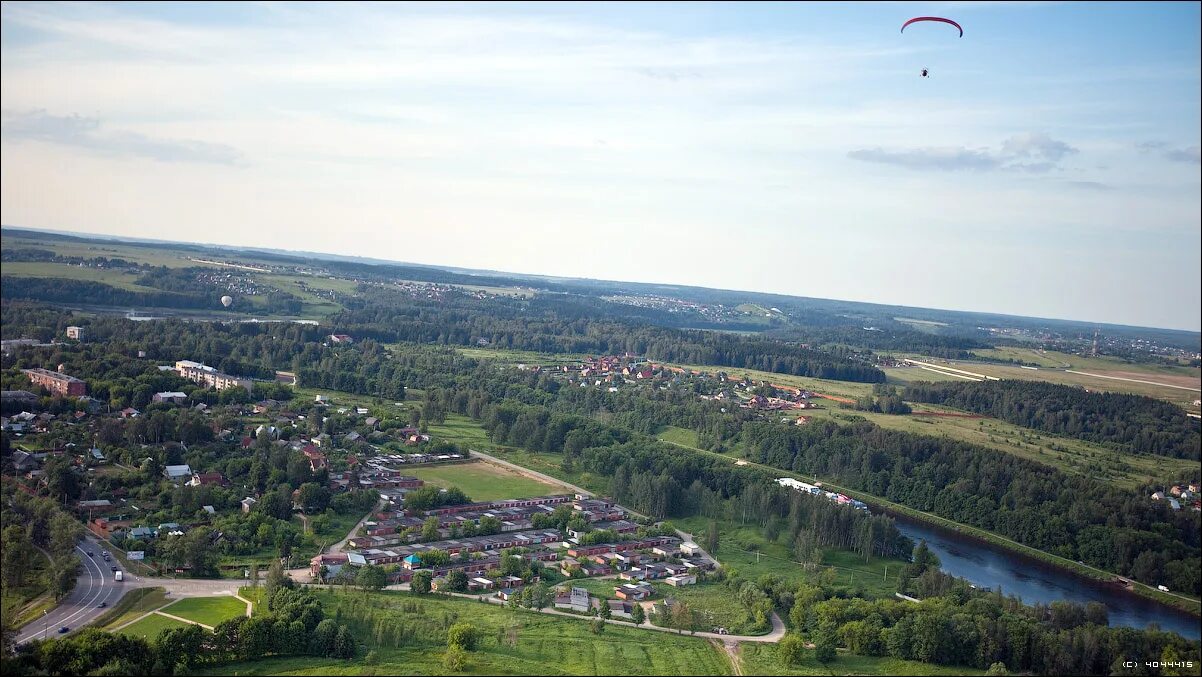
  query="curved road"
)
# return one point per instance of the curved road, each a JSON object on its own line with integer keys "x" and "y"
{"x": 96, "y": 585}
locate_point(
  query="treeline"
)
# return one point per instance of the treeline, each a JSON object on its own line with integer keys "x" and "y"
{"x": 984, "y": 630}
{"x": 885, "y": 339}
{"x": 62, "y": 290}
{"x": 33, "y": 523}
{"x": 1141, "y": 424}
{"x": 295, "y": 626}
{"x": 549, "y": 324}
{"x": 1069, "y": 516}
{"x": 46, "y": 256}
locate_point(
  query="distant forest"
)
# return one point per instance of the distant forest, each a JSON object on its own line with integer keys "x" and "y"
{"x": 1142, "y": 424}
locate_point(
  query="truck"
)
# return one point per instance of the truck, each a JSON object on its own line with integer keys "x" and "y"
{"x": 117, "y": 576}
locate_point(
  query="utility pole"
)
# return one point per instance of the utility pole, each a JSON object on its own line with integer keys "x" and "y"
{"x": 886, "y": 572}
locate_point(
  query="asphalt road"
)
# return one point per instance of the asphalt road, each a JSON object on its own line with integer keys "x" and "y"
{"x": 95, "y": 585}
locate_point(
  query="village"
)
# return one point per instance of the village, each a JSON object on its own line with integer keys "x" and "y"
{"x": 615, "y": 373}
{"x": 494, "y": 548}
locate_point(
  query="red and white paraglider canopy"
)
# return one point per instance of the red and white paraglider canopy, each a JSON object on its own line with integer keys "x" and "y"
{"x": 932, "y": 18}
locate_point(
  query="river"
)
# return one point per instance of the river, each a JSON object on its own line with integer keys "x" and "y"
{"x": 988, "y": 566}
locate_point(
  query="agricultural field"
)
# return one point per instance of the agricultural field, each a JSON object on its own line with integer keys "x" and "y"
{"x": 1059, "y": 360}
{"x": 1180, "y": 385}
{"x": 115, "y": 277}
{"x": 485, "y": 481}
{"x": 155, "y": 256}
{"x": 904, "y": 376}
{"x": 511, "y": 642}
{"x": 761, "y": 659}
{"x": 148, "y": 628}
{"x": 208, "y": 610}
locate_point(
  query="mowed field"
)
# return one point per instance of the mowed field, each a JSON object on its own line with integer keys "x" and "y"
{"x": 541, "y": 644}
{"x": 149, "y": 628}
{"x": 485, "y": 481}
{"x": 208, "y": 610}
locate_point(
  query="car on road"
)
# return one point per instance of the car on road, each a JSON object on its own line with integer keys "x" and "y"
{"x": 112, "y": 568}
{"x": 91, "y": 554}
{"x": 102, "y": 605}
{"x": 64, "y": 630}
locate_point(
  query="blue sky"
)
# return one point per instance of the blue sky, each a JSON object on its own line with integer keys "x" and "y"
{"x": 1049, "y": 166}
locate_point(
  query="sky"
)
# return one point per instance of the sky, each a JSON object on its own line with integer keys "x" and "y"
{"x": 1049, "y": 166}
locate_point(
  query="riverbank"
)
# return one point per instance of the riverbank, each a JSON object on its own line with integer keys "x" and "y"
{"x": 1180, "y": 602}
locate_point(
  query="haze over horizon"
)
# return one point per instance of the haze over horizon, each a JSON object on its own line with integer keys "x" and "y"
{"x": 1049, "y": 167}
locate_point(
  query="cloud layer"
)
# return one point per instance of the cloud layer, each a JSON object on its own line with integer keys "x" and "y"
{"x": 1028, "y": 152}
{"x": 86, "y": 133}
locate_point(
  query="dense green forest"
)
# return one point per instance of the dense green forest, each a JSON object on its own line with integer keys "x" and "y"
{"x": 1141, "y": 424}
{"x": 894, "y": 337}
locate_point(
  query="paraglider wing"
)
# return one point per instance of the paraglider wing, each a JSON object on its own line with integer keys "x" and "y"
{"x": 932, "y": 18}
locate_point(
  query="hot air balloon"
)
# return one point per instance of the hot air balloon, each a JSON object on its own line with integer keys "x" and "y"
{"x": 227, "y": 301}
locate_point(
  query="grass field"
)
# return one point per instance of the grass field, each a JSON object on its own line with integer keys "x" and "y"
{"x": 521, "y": 356}
{"x": 151, "y": 626}
{"x": 760, "y": 659}
{"x": 135, "y": 603}
{"x": 747, "y": 551}
{"x": 155, "y": 256}
{"x": 485, "y": 481}
{"x": 110, "y": 276}
{"x": 545, "y": 645}
{"x": 208, "y": 610}
{"x": 1055, "y": 359}
{"x": 682, "y": 436}
{"x": 1054, "y": 372}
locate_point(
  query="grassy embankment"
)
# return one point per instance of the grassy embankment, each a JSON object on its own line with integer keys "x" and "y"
{"x": 27, "y": 602}
{"x": 134, "y": 604}
{"x": 762, "y": 659}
